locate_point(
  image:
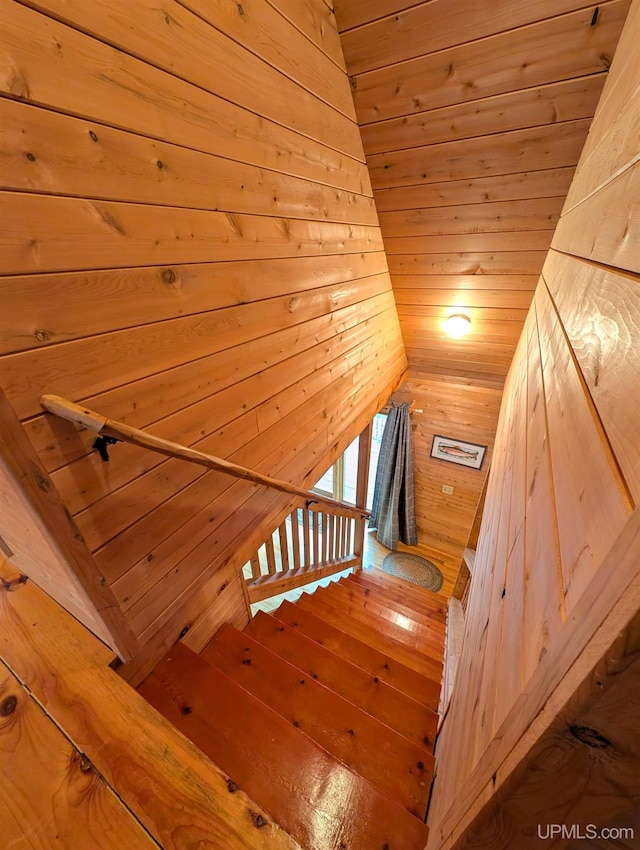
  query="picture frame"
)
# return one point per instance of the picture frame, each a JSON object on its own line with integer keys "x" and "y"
{"x": 450, "y": 450}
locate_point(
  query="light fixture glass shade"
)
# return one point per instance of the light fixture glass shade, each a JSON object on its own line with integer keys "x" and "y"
{"x": 458, "y": 325}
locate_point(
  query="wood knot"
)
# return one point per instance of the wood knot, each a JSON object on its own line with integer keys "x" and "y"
{"x": 231, "y": 786}
{"x": 8, "y": 705}
{"x": 93, "y": 136}
{"x": 85, "y": 764}
{"x": 43, "y": 335}
{"x": 591, "y": 737}
{"x": 169, "y": 276}
{"x": 258, "y": 820}
{"x": 186, "y": 709}
{"x": 43, "y": 483}
{"x": 246, "y": 662}
{"x": 160, "y": 164}
{"x": 183, "y": 632}
{"x": 30, "y": 157}
{"x": 222, "y": 587}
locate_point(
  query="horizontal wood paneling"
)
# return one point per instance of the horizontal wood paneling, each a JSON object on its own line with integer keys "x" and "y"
{"x": 557, "y": 559}
{"x": 55, "y": 65}
{"x": 452, "y": 408}
{"x": 473, "y": 120}
{"x": 442, "y": 24}
{"x": 49, "y": 152}
{"x": 192, "y": 247}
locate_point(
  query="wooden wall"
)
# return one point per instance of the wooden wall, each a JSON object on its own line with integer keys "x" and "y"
{"x": 543, "y": 723}
{"x": 189, "y": 245}
{"x": 473, "y": 115}
{"x": 450, "y": 407}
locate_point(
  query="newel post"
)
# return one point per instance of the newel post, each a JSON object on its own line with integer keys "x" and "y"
{"x": 364, "y": 454}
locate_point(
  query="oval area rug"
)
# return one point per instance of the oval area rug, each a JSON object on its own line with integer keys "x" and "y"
{"x": 415, "y": 569}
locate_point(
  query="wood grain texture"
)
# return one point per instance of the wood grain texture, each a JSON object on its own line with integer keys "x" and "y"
{"x": 66, "y": 669}
{"x": 472, "y": 123}
{"x": 559, "y": 537}
{"x": 189, "y": 249}
{"x": 51, "y": 793}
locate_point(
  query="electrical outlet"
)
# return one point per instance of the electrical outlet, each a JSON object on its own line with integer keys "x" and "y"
{"x": 446, "y": 488}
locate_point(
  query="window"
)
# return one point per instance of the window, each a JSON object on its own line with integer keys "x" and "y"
{"x": 340, "y": 480}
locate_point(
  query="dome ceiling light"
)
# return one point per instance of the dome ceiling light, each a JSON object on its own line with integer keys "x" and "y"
{"x": 457, "y": 325}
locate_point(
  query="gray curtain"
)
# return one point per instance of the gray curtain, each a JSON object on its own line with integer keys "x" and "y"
{"x": 394, "y": 503}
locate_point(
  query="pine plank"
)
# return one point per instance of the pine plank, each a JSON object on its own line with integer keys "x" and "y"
{"x": 200, "y": 48}
{"x": 382, "y": 701}
{"x": 94, "y": 80}
{"x": 482, "y": 241}
{"x": 440, "y": 25}
{"x": 597, "y": 306}
{"x": 48, "y": 234}
{"x": 383, "y": 603}
{"x": 156, "y": 396}
{"x": 272, "y": 585}
{"x": 551, "y": 146}
{"x": 517, "y": 186}
{"x": 122, "y": 166}
{"x": 543, "y": 599}
{"x": 376, "y": 638}
{"x": 377, "y": 663}
{"x": 167, "y": 784}
{"x": 581, "y": 491}
{"x": 478, "y": 264}
{"x": 264, "y": 754}
{"x": 317, "y": 22}
{"x": 408, "y": 629}
{"x": 496, "y": 217}
{"x": 527, "y": 107}
{"x": 397, "y": 768}
{"x": 406, "y": 592}
{"x": 51, "y": 793}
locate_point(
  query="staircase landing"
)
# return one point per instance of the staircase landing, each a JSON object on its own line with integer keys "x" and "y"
{"x": 322, "y": 712}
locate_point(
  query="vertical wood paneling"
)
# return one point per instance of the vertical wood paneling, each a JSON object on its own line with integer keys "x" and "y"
{"x": 567, "y": 493}
{"x": 191, "y": 245}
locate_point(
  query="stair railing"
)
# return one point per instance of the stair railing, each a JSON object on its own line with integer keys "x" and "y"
{"x": 313, "y": 542}
{"x": 112, "y": 431}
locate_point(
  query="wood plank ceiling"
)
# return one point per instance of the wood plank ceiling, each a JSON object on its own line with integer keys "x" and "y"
{"x": 473, "y": 116}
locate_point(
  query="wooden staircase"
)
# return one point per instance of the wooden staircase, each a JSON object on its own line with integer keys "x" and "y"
{"x": 323, "y": 713}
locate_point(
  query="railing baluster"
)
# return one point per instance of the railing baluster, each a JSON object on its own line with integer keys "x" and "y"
{"x": 295, "y": 537}
{"x": 284, "y": 547}
{"x": 271, "y": 555}
{"x": 306, "y": 534}
{"x": 317, "y": 556}
{"x": 325, "y": 537}
{"x": 256, "y": 572}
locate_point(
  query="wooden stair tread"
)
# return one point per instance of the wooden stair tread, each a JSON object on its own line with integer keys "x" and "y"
{"x": 378, "y": 664}
{"x": 395, "y": 766}
{"x": 371, "y": 635}
{"x": 378, "y": 599}
{"x": 379, "y": 699}
{"x": 401, "y": 627}
{"x": 422, "y": 600}
{"x": 321, "y": 803}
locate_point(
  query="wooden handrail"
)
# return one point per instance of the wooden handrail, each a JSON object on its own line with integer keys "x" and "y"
{"x": 100, "y": 424}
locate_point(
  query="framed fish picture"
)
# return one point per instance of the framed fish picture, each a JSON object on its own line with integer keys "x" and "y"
{"x": 457, "y": 451}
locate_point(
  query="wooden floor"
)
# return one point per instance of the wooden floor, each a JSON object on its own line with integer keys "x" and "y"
{"x": 323, "y": 713}
{"x": 374, "y": 554}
